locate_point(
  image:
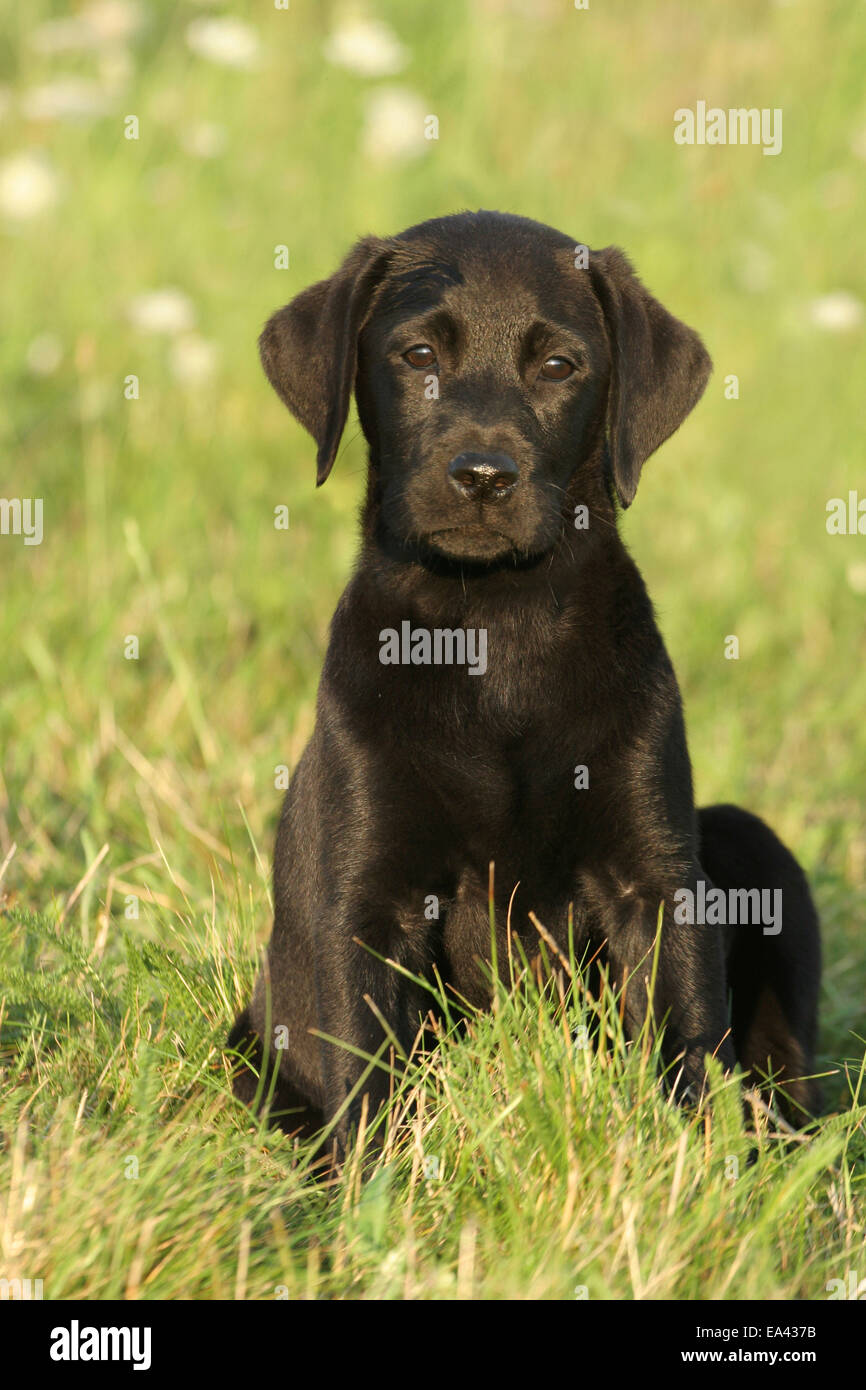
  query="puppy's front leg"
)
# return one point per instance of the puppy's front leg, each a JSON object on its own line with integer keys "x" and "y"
{"x": 364, "y": 1004}
{"x": 690, "y": 994}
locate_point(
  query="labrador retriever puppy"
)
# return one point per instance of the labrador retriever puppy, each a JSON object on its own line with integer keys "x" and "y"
{"x": 496, "y": 688}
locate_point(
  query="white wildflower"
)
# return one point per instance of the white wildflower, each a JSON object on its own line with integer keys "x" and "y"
{"x": 67, "y": 99}
{"x": 394, "y": 128}
{"x": 113, "y": 21}
{"x": 44, "y": 354}
{"x": 222, "y": 39}
{"x": 837, "y": 312}
{"x": 366, "y": 46}
{"x": 103, "y": 24}
{"x": 193, "y": 359}
{"x": 162, "y": 311}
{"x": 856, "y": 576}
{"x": 28, "y": 186}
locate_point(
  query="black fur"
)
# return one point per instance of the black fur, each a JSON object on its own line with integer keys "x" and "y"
{"x": 418, "y": 776}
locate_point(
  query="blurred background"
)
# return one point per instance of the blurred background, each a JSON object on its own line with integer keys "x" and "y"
{"x": 158, "y": 257}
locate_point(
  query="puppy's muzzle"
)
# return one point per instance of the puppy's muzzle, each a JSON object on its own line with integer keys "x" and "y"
{"x": 483, "y": 477}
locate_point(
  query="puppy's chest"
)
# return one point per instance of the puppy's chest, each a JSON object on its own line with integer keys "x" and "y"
{"x": 487, "y": 790}
{"x": 501, "y": 741}
{"x": 496, "y": 676}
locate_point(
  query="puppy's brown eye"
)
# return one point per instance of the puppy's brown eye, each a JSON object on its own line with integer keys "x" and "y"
{"x": 420, "y": 357}
{"x": 556, "y": 369}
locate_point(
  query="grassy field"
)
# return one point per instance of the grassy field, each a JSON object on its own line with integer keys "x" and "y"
{"x": 146, "y": 784}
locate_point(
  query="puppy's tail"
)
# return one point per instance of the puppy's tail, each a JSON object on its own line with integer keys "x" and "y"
{"x": 774, "y": 977}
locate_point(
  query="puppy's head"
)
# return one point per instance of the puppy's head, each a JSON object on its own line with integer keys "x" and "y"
{"x": 493, "y": 360}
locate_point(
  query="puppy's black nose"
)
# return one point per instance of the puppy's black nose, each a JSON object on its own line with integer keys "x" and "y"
{"x": 483, "y": 477}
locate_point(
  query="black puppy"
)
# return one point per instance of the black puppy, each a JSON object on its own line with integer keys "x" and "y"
{"x": 496, "y": 688}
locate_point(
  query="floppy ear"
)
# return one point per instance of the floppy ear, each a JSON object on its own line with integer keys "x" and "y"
{"x": 309, "y": 349}
{"x": 659, "y": 368}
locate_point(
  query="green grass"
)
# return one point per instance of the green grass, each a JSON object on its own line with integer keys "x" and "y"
{"x": 516, "y": 1162}
{"x": 556, "y": 1170}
